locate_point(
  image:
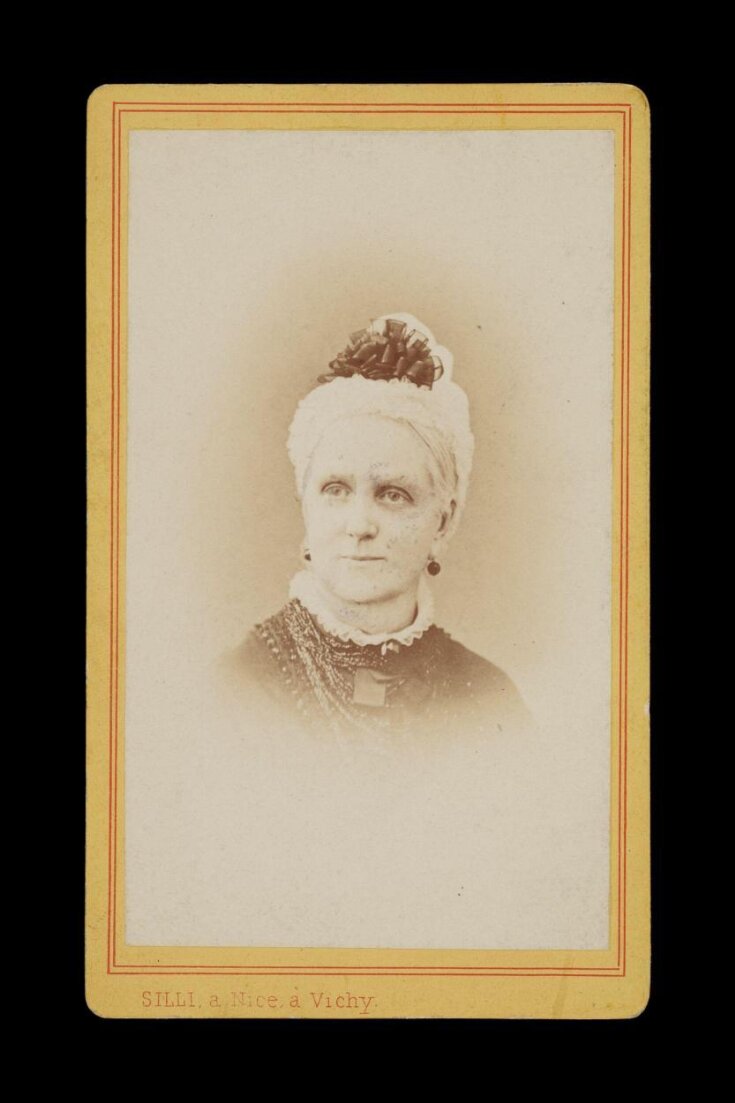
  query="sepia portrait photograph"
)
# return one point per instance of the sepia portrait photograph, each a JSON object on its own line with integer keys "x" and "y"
{"x": 363, "y": 636}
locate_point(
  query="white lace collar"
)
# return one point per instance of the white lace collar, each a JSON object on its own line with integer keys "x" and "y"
{"x": 304, "y": 587}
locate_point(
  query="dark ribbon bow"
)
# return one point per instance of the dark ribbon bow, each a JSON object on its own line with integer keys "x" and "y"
{"x": 397, "y": 353}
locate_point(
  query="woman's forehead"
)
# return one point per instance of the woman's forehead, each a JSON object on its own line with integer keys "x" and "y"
{"x": 371, "y": 443}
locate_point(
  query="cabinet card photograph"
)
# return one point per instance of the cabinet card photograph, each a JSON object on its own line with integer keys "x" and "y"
{"x": 368, "y": 551}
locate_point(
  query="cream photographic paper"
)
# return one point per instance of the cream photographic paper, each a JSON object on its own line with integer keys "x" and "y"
{"x": 239, "y": 865}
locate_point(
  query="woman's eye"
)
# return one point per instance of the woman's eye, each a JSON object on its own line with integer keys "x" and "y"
{"x": 334, "y": 490}
{"x": 394, "y": 495}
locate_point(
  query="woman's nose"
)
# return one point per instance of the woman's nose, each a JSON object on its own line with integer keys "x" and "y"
{"x": 360, "y": 522}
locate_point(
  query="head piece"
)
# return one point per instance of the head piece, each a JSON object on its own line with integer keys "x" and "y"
{"x": 393, "y": 368}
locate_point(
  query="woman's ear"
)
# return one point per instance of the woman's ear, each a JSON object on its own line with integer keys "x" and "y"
{"x": 447, "y": 516}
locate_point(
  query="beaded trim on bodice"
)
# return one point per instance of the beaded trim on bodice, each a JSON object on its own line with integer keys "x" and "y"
{"x": 321, "y": 672}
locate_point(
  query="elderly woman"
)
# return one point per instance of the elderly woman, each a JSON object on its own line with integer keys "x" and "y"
{"x": 382, "y": 451}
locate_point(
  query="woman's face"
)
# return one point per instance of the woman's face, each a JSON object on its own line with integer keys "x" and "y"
{"x": 371, "y": 507}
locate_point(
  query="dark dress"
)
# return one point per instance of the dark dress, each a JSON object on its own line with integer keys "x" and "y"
{"x": 431, "y": 686}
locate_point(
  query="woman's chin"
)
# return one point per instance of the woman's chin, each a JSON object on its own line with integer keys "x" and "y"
{"x": 361, "y": 593}
{"x": 355, "y": 586}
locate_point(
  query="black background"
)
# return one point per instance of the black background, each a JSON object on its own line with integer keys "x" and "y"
{"x": 366, "y": 55}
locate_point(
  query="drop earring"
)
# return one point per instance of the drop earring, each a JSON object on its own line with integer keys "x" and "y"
{"x": 433, "y": 567}
{"x": 307, "y": 555}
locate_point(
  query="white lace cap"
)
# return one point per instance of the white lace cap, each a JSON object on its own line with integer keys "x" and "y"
{"x": 443, "y": 408}
{"x": 304, "y": 587}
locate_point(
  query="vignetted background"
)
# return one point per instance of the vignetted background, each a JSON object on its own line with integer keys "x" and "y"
{"x": 252, "y": 256}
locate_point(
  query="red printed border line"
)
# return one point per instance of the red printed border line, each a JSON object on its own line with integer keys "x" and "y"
{"x": 425, "y": 108}
{"x": 119, "y": 108}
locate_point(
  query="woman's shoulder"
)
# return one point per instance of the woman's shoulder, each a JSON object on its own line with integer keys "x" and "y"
{"x": 251, "y": 653}
{"x": 461, "y": 660}
{"x": 262, "y": 651}
{"x": 470, "y": 675}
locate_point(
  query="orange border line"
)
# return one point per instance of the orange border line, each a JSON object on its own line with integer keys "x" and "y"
{"x": 622, "y": 638}
{"x": 619, "y": 969}
{"x": 624, "y": 792}
{"x": 111, "y": 851}
{"x": 360, "y": 973}
{"x": 366, "y": 970}
{"x": 345, "y": 111}
{"x": 329, "y": 103}
{"x": 115, "y": 511}
{"x": 117, "y": 494}
{"x": 342, "y": 965}
{"x": 363, "y": 970}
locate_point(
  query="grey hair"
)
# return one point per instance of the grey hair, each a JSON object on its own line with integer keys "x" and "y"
{"x": 444, "y": 460}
